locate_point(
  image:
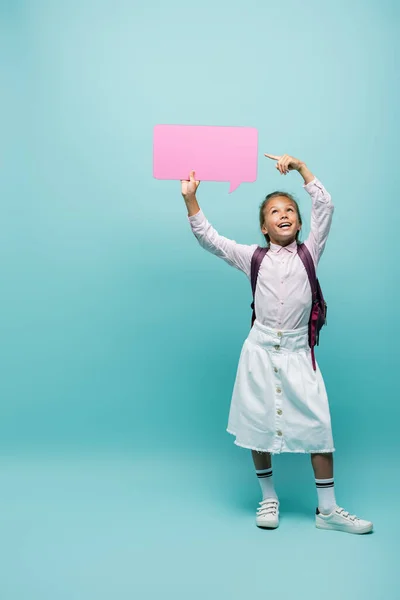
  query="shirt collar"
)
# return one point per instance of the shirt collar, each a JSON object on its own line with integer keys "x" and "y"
{"x": 290, "y": 248}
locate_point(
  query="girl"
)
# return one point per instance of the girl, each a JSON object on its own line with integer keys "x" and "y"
{"x": 279, "y": 402}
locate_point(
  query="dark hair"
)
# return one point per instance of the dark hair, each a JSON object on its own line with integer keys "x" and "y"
{"x": 264, "y": 204}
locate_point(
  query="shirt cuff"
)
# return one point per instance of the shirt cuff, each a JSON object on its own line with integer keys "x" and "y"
{"x": 309, "y": 185}
{"x": 317, "y": 192}
{"x": 197, "y": 218}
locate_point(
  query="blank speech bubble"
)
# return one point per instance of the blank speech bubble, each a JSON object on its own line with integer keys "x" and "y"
{"x": 215, "y": 153}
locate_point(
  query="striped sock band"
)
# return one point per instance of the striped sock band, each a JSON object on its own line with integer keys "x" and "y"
{"x": 325, "y": 483}
{"x": 326, "y": 495}
{"x": 261, "y": 473}
{"x": 266, "y": 483}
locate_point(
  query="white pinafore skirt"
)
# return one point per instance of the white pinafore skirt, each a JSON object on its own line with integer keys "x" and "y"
{"x": 279, "y": 403}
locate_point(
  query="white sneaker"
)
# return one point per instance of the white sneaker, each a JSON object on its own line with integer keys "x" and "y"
{"x": 341, "y": 520}
{"x": 268, "y": 513}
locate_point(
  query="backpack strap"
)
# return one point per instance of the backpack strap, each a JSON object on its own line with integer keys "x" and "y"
{"x": 308, "y": 263}
{"x": 256, "y": 261}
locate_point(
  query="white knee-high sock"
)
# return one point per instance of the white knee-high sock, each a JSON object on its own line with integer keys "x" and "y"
{"x": 266, "y": 483}
{"x": 326, "y": 495}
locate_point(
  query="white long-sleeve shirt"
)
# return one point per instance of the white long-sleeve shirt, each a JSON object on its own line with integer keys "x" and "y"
{"x": 283, "y": 293}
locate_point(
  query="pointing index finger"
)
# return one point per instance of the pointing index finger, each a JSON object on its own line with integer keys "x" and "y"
{"x": 272, "y": 156}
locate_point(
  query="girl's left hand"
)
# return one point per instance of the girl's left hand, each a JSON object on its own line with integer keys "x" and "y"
{"x": 286, "y": 163}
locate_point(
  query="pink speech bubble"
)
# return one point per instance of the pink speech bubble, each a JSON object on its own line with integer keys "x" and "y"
{"x": 215, "y": 153}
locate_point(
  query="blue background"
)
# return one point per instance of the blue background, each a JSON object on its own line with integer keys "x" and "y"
{"x": 120, "y": 336}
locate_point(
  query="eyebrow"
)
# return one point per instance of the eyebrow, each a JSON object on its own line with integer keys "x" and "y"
{"x": 275, "y": 206}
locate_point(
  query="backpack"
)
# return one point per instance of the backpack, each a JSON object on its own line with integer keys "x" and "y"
{"x": 318, "y": 309}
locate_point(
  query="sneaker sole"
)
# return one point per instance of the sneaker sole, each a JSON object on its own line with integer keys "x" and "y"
{"x": 358, "y": 531}
{"x": 267, "y": 526}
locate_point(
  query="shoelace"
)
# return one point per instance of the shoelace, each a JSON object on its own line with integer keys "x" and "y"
{"x": 267, "y": 507}
{"x": 346, "y": 514}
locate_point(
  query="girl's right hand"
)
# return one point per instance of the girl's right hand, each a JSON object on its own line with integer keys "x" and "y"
{"x": 189, "y": 188}
{"x": 286, "y": 163}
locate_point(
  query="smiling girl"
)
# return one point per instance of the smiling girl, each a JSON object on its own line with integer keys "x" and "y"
{"x": 279, "y": 402}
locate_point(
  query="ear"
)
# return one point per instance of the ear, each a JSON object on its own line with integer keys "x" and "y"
{"x": 264, "y": 230}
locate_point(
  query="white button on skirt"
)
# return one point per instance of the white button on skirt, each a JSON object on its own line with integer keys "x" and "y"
{"x": 279, "y": 403}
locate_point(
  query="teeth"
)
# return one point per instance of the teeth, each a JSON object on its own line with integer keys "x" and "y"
{"x": 285, "y": 225}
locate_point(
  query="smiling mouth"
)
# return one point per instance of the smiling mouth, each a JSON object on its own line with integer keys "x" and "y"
{"x": 284, "y": 225}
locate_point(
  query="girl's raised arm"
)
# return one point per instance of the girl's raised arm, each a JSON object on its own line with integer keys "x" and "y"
{"x": 321, "y": 209}
{"x": 288, "y": 163}
{"x": 236, "y": 255}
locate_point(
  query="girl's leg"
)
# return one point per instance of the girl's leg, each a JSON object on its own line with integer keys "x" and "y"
{"x": 262, "y": 463}
{"x": 329, "y": 515}
{"x": 323, "y": 472}
{"x": 262, "y": 460}
{"x": 322, "y": 465}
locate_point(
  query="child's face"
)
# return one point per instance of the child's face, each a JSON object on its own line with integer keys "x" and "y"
{"x": 281, "y": 221}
